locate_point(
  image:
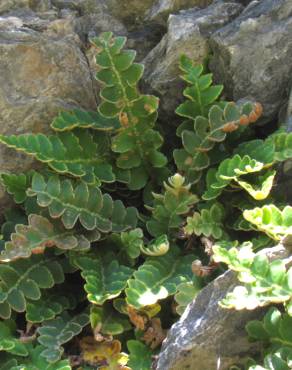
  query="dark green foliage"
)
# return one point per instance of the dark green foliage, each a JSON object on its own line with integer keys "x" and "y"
{"x": 80, "y": 201}
{"x": 136, "y": 142}
{"x": 85, "y": 275}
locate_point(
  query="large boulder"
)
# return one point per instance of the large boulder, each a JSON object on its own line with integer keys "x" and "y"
{"x": 208, "y": 337}
{"x": 40, "y": 74}
{"x": 252, "y": 55}
{"x": 188, "y": 33}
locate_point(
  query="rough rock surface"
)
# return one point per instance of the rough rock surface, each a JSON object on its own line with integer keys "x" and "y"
{"x": 252, "y": 54}
{"x": 188, "y": 33}
{"x": 39, "y": 76}
{"x": 208, "y": 337}
{"x": 162, "y": 8}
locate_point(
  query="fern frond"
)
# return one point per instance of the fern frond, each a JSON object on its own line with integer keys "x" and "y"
{"x": 271, "y": 220}
{"x": 23, "y": 280}
{"x": 157, "y": 247}
{"x": 49, "y": 306}
{"x": 107, "y": 321}
{"x": 140, "y": 355}
{"x": 209, "y": 222}
{"x": 264, "y": 282}
{"x": 82, "y": 202}
{"x": 158, "y": 278}
{"x": 78, "y": 154}
{"x": 77, "y": 118}
{"x": 54, "y": 333}
{"x": 105, "y": 277}
{"x": 16, "y": 185}
{"x": 38, "y": 235}
{"x": 169, "y": 208}
{"x": 201, "y": 94}
{"x": 9, "y": 341}
{"x": 283, "y": 145}
{"x": 186, "y": 292}
{"x": 35, "y": 361}
{"x": 229, "y": 170}
{"x": 136, "y": 142}
{"x": 206, "y": 133}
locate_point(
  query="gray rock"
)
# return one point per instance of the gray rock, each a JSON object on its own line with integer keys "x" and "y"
{"x": 188, "y": 33}
{"x": 37, "y": 5}
{"x": 208, "y": 337}
{"x": 39, "y": 76}
{"x": 162, "y": 8}
{"x": 252, "y": 54}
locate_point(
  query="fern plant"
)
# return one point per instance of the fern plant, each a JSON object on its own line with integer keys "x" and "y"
{"x": 93, "y": 272}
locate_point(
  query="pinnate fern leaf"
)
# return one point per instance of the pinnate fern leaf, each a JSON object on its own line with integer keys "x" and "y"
{"x": 23, "y": 280}
{"x": 54, "y": 333}
{"x": 229, "y": 170}
{"x": 207, "y": 132}
{"x": 140, "y": 355}
{"x": 201, "y": 94}
{"x": 271, "y": 220}
{"x": 208, "y": 222}
{"x": 77, "y": 118}
{"x": 137, "y": 143}
{"x": 158, "y": 278}
{"x": 35, "y": 362}
{"x": 107, "y": 321}
{"x": 8, "y": 341}
{"x": 48, "y": 306}
{"x": 264, "y": 282}
{"x": 39, "y": 234}
{"x": 16, "y": 185}
{"x": 169, "y": 208}
{"x": 78, "y": 154}
{"x": 81, "y": 202}
{"x": 105, "y": 277}
{"x": 186, "y": 292}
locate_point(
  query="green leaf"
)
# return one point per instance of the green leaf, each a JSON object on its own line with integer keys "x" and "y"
{"x": 78, "y": 154}
{"x": 158, "y": 278}
{"x": 108, "y": 321}
{"x": 82, "y": 202}
{"x": 140, "y": 355}
{"x": 16, "y": 185}
{"x": 209, "y": 222}
{"x": 274, "y": 222}
{"x": 23, "y": 279}
{"x": 105, "y": 277}
{"x": 265, "y": 282}
{"x": 8, "y": 341}
{"x": 168, "y": 209}
{"x": 38, "y": 235}
{"x": 77, "y": 118}
{"x": 186, "y": 292}
{"x": 54, "y": 333}
{"x": 230, "y": 170}
{"x": 135, "y": 141}
{"x": 261, "y": 190}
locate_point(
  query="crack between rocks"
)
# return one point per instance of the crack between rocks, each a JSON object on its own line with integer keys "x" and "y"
{"x": 91, "y": 75}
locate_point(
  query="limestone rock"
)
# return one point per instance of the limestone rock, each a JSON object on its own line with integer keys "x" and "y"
{"x": 39, "y": 76}
{"x": 252, "y": 54}
{"x": 162, "y": 8}
{"x": 208, "y": 337}
{"x": 188, "y": 33}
